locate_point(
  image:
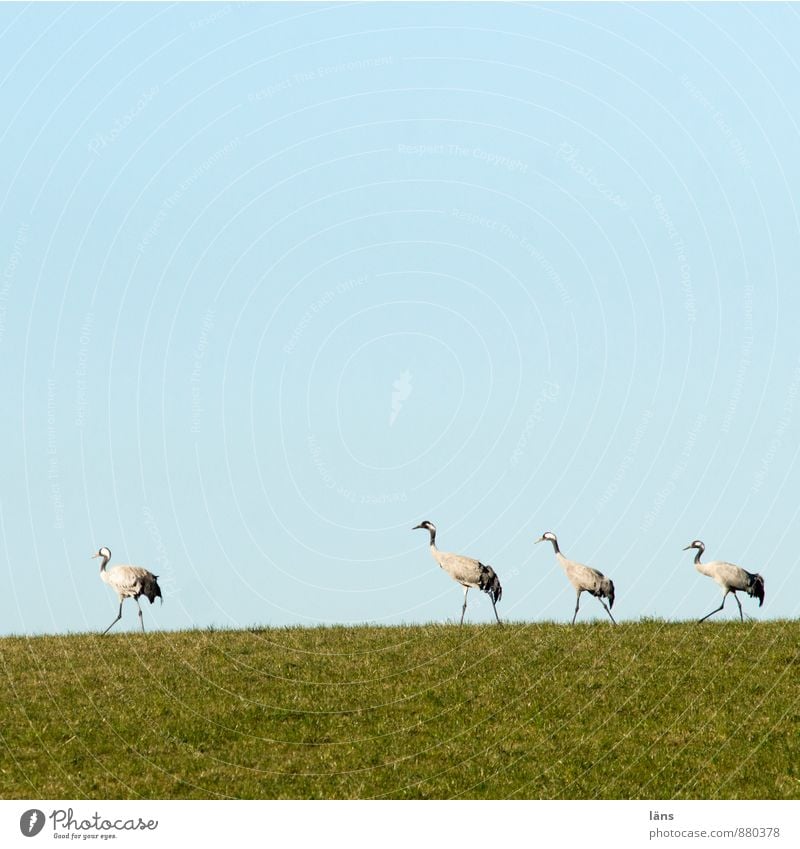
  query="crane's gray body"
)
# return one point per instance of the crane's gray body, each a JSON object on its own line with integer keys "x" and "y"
{"x": 132, "y": 582}
{"x": 585, "y": 579}
{"x": 129, "y": 582}
{"x": 470, "y": 573}
{"x": 730, "y": 578}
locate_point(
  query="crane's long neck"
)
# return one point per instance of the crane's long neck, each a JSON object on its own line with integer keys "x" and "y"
{"x": 103, "y": 562}
{"x": 437, "y": 555}
{"x": 697, "y": 556}
{"x": 555, "y": 546}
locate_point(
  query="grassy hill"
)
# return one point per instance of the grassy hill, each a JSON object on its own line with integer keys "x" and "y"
{"x": 643, "y": 710}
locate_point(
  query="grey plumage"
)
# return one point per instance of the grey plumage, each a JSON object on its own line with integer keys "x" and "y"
{"x": 128, "y": 582}
{"x": 467, "y": 571}
{"x": 730, "y": 577}
{"x": 583, "y": 578}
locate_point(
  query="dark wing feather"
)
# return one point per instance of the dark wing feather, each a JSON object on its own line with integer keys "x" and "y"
{"x": 151, "y": 589}
{"x": 756, "y": 588}
{"x": 489, "y": 582}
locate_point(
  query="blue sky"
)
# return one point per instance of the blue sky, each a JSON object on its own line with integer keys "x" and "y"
{"x": 281, "y": 281}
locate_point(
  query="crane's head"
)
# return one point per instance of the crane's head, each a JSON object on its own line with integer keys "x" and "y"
{"x": 549, "y": 536}
{"x": 104, "y": 553}
{"x": 696, "y": 544}
{"x": 428, "y": 526}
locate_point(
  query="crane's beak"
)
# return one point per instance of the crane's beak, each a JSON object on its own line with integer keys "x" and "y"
{"x": 416, "y": 527}
{"x": 688, "y": 547}
{"x": 94, "y": 555}
{"x": 541, "y": 539}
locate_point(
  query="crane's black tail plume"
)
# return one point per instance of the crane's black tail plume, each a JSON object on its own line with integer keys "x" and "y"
{"x": 152, "y": 591}
{"x": 490, "y": 583}
{"x": 610, "y": 593}
{"x": 756, "y": 588}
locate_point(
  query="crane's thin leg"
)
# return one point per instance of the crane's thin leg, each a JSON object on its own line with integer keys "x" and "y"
{"x": 577, "y": 605}
{"x": 141, "y": 620}
{"x": 464, "y": 608}
{"x": 119, "y": 616}
{"x": 741, "y": 615}
{"x": 495, "y": 611}
{"x": 607, "y": 610}
{"x": 714, "y": 611}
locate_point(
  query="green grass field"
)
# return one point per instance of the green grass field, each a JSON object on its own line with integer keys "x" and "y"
{"x": 644, "y": 710}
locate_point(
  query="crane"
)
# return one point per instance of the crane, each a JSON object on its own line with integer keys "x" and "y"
{"x": 729, "y": 577}
{"x": 128, "y": 582}
{"x": 583, "y": 578}
{"x": 466, "y": 571}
